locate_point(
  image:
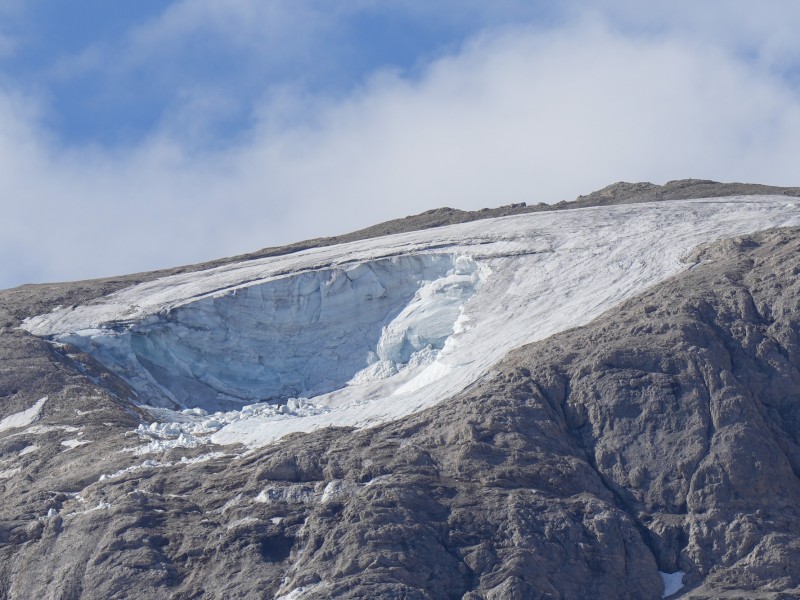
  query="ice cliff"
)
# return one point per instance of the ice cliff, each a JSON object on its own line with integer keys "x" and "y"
{"x": 300, "y": 335}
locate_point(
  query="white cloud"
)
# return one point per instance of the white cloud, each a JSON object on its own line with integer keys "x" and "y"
{"x": 766, "y": 33}
{"x": 9, "y": 11}
{"x": 516, "y": 115}
{"x": 261, "y": 35}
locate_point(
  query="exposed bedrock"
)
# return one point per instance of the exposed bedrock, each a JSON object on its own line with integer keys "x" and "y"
{"x": 299, "y": 335}
{"x": 664, "y": 436}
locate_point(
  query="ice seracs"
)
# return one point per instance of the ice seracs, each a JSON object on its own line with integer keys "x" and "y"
{"x": 301, "y": 334}
{"x": 372, "y": 330}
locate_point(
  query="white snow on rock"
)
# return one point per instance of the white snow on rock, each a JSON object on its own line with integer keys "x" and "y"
{"x": 148, "y": 464}
{"x": 74, "y": 443}
{"x": 292, "y": 494}
{"x": 242, "y": 522}
{"x": 338, "y": 489}
{"x": 23, "y": 418}
{"x": 77, "y": 513}
{"x": 28, "y": 450}
{"x": 155, "y": 464}
{"x": 303, "y": 591}
{"x": 44, "y": 429}
{"x": 9, "y": 473}
{"x": 673, "y": 582}
{"x": 373, "y": 330}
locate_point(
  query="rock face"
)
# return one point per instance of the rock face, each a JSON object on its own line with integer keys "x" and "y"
{"x": 664, "y": 436}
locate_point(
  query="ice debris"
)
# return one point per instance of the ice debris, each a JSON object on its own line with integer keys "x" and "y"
{"x": 191, "y": 427}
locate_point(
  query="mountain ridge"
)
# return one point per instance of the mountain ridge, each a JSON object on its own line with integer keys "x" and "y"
{"x": 660, "y": 437}
{"x": 616, "y": 193}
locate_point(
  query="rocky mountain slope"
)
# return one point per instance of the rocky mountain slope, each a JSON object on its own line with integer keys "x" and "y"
{"x": 661, "y": 437}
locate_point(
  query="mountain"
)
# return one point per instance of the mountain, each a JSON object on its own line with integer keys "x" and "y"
{"x": 595, "y": 399}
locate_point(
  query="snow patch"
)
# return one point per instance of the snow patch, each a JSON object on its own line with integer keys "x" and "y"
{"x": 338, "y": 489}
{"x": 9, "y": 473}
{"x": 300, "y": 592}
{"x": 155, "y": 464}
{"x": 243, "y": 521}
{"x": 378, "y": 479}
{"x": 672, "y": 582}
{"x": 148, "y": 464}
{"x": 28, "y": 450}
{"x": 23, "y": 418}
{"x": 74, "y": 443}
{"x": 292, "y": 494}
{"x": 100, "y": 506}
{"x": 43, "y": 429}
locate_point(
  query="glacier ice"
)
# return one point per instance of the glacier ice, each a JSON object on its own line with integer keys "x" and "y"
{"x": 300, "y": 335}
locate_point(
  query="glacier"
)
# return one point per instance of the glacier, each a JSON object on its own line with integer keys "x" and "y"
{"x": 368, "y": 331}
{"x": 301, "y": 335}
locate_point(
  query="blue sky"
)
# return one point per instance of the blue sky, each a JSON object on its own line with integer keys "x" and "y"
{"x": 137, "y": 135}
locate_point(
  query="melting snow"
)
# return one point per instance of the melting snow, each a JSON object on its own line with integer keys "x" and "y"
{"x": 70, "y": 444}
{"x": 672, "y": 582}
{"x": 9, "y": 473}
{"x": 148, "y": 464}
{"x": 337, "y": 489}
{"x": 373, "y": 330}
{"x": 42, "y": 429}
{"x": 155, "y": 464}
{"x": 23, "y": 418}
{"x": 243, "y": 521}
{"x": 303, "y": 591}
{"x": 293, "y": 494}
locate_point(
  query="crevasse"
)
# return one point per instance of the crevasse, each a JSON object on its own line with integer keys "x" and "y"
{"x": 300, "y": 335}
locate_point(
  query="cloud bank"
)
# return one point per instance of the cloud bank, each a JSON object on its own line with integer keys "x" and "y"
{"x": 515, "y": 113}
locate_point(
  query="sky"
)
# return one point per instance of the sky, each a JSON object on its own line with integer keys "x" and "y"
{"x": 140, "y": 135}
